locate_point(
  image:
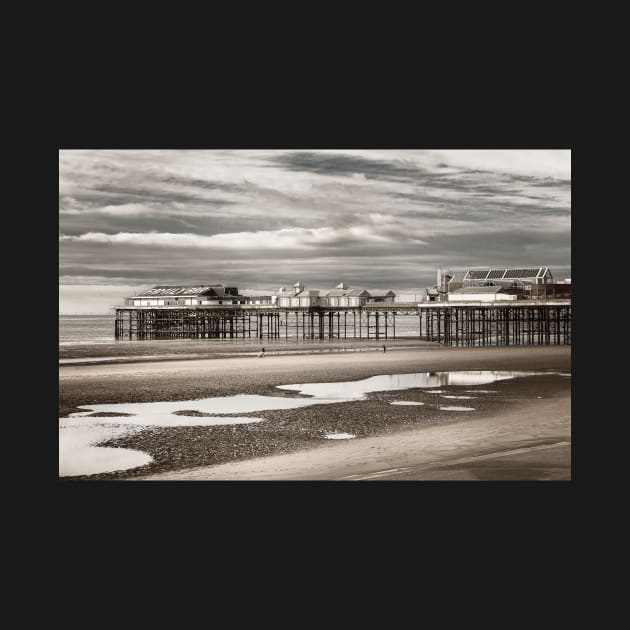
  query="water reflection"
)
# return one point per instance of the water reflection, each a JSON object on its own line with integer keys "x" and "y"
{"x": 354, "y": 390}
{"x": 80, "y": 433}
{"x": 481, "y": 391}
{"x": 78, "y": 456}
{"x": 405, "y": 402}
{"x": 161, "y": 413}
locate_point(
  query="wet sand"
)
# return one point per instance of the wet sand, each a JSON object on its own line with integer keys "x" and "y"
{"x": 156, "y": 380}
{"x": 175, "y": 349}
{"x": 393, "y": 436}
{"x": 451, "y": 451}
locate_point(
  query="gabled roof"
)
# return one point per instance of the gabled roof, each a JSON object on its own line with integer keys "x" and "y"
{"x": 387, "y": 294}
{"x": 307, "y": 293}
{"x": 178, "y": 291}
{"x": 348, "y": 293}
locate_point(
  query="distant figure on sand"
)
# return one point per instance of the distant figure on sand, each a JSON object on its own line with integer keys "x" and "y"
{"x": 384, "y": 349}
{"x": 261, "y": 353}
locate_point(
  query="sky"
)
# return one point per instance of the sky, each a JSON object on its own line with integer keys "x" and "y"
{"x": 261, "y": 219}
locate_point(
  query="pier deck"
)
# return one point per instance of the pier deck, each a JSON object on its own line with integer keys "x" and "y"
{"x": 521, "y": 322}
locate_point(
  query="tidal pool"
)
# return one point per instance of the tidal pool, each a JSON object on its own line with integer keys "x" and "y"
{"x": 481, "y": 391}
{"x": 355, "y": 390}
{"x": 78, "y": 456}
{"x": 81, "y": 432}
{"x": 405, "y": 402}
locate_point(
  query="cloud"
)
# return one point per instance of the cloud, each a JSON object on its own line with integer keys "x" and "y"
{"x": 288, "y": 238}
{"x": 121, "y": 210}
{"x": 359, "y": 168}
{"x": 382, "y": 217}
{"x": 409, "y": 165}
{"x": 551, "y": 165}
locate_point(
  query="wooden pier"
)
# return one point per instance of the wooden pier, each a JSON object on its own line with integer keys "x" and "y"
{"x": 470, "y": 324}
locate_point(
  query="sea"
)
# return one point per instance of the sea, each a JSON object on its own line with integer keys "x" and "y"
{"x": 86, "y": 329}
{"x": 95, "y": 329}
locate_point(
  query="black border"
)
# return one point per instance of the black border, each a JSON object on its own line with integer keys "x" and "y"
{"x": 295, "y": 507}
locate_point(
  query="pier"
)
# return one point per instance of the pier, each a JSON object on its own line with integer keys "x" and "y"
{"x": 522, "y": 322}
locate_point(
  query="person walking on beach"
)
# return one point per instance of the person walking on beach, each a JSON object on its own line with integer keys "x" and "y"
{"x": 262, "y": 353}
{"x": 384, "y": 349}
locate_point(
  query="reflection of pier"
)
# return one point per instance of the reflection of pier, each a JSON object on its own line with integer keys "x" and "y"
{"x": 468, "y": 324}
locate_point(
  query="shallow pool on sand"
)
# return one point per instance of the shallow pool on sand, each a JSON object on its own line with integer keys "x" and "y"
{"x": 405, "y": 402}
{"x": 81, "y": 432}
{"x": 79, "y": 456}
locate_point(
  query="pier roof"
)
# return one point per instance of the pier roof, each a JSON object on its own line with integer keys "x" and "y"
{"x": 348, "y": 293}
{"x": 383, "y": 294}
{"x": 506, "y": 273}
{"x": 179, "y": 290}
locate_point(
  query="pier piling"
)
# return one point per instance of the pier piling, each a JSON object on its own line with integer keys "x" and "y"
{"x": 492, "y": 324}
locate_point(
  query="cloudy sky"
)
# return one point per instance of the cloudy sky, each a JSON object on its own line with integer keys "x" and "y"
{"x": 375, "y": 219}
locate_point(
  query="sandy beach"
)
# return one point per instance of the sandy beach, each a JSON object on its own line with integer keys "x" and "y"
{"x": 522, "y": 430}
{"x": 489, "y": 448}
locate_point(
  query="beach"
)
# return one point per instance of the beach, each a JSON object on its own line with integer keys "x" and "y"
{"x": 532, "y": 442}
{"x": 521, "y": 430}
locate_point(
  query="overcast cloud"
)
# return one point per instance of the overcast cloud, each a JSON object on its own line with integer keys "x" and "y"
{"x": 261, "y": 219}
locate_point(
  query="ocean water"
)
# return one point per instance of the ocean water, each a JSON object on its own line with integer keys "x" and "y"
{"x": 94, "y": 329}
{"x": 82, "y": 329}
